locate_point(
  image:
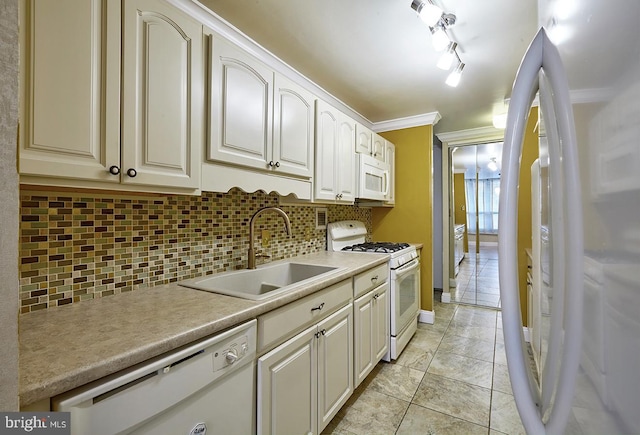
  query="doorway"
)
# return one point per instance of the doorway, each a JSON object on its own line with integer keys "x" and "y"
{"x": 474, "y": 198}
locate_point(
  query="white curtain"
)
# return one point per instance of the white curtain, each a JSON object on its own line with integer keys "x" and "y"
{"x": 489, "y": 196}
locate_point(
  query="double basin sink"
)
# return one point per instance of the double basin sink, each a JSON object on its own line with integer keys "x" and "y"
{"x": 263, "y": 282}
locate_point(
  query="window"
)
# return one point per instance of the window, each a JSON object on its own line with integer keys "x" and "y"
{"x": 489, "y": 197}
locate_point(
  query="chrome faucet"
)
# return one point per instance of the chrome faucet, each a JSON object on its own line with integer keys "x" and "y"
{"x": 251, "y": 260}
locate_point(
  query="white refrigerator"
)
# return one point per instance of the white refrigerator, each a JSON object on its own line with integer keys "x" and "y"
{"x": 583, "y": 69}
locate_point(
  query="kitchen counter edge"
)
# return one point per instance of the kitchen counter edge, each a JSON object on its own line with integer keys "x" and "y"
{"x": 66, "y": 347}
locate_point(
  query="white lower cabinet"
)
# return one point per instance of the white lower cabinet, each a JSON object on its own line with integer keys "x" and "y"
{"x": 305, "y": 381}
{"x": 371, "y": 326}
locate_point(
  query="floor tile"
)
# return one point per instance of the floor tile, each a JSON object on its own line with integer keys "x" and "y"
{"x": 465, "y": 401}
{"x": 370, "y": 412}
{"x": 396, "y": 380}
{"x": 461, "y": 368}
{"x": 477, "y": 332}
{"x": 501, "y": 381}
{"x": 470, "y": 347}
{"x": 504, "y": 414}
{"x": 421, "y": 420}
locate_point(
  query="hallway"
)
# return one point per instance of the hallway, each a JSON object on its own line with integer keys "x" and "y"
{"x": 451, "y": 379}
{"x": 477, "y": 281}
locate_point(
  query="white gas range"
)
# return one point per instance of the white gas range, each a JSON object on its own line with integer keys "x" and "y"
{"x": 404, "y": 277}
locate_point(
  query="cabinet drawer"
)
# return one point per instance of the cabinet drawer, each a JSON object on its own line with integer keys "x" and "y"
{"x": 278, "y": 325}
{"x": 370, "y": 279}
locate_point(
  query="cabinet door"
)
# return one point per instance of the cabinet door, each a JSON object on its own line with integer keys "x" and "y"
{"x": 335, "y": 364}
{"x": 293, "y": 128}
{"x": 364, "y": 138}
{"x": 378, "y": 148}
{"x": 363, "y": 346}
{"x": 241, "y": 104}
{"x": 163, "y": 95}
{"x": 287, "y": 389}
{"x": 390, "y": 159}
{"x": 346, "y": 162}
{"x": 380, "y": 330}
{"x": 71, "y": 102}
{"x": 327, "y": 119}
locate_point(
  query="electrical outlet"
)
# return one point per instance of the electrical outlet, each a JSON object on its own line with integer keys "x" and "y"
{"x": 266, "y": 238}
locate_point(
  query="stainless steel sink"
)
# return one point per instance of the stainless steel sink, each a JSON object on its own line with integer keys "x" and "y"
{"x": 263, "y": 282}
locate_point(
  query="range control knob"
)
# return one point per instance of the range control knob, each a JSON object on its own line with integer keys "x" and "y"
{"x": 231, "y": 356}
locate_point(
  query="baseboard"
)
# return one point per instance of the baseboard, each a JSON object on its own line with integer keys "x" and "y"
{"x": 453, "y": 283}
{"x": 525, "y": 331}
{"x": 445, "y": 298}
{"x": 425, "y": 316}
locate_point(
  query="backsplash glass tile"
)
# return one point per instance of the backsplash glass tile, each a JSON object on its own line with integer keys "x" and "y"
{"x": 77, "y": 246}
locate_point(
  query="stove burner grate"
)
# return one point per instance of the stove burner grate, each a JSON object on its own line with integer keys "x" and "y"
{"x": 379, "y": 247}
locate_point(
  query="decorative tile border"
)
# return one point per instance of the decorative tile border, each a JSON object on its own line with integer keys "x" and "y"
{"x": 79, "y": 246}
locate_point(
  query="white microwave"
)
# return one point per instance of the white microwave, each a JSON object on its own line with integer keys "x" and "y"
{"x": 373, "y": 178}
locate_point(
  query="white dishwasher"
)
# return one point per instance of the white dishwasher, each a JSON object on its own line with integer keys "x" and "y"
{"x": 207, "y": 387}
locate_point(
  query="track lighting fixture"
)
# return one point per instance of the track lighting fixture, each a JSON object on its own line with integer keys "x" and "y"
{"x": 438, "y": 22}
{"x": 439, "y": 38}
{"x": 427, "y": 11}
{"x": 446, "y": 60}
{"x": 456, "y": 74}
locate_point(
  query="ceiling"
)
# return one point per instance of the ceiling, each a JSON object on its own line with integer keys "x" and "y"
{"x": 376, "y": 55}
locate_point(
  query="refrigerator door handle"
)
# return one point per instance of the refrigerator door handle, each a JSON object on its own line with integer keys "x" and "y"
{"x": 542, "y": 54}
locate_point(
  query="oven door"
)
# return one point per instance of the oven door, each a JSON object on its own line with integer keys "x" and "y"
{"x": 405, "y": 295}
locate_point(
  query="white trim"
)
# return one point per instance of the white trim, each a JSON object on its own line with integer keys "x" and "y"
{"x": 477, "y": 135}
{"x": 525, "y": 332}
{"x": 452, "y": 283}
{"x": 431, "y": 118}
{"x": 446, "y": 298}
{"x": 425, "y": 316}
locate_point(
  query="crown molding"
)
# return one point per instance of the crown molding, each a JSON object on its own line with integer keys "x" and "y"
{"x": 481, "y": 134}
{"x": 430, "y": 118}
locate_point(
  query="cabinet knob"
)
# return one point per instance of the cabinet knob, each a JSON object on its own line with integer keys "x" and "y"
{"x": 374, "y": 278}
{"x": 114, "y": 170}
{"x": 277, "y": 164}
{"x": 271, "y": 164}
{"x": 376, "y": 296}
{"x": 132, "y": 172}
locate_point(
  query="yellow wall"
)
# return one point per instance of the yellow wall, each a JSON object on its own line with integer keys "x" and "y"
{"x": 411, "y": 218}
{"x": 460, "y": 201}
{"x": 529, "y": 154}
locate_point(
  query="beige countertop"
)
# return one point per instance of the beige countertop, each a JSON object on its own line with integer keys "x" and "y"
{"x": 66, "y": 347}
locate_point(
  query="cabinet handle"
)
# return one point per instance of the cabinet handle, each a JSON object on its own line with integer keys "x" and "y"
{"x": 114, "y": 170}
{"x": 318, "y": 308}
{"x": 132, "y": 172}
{"x": 374, "y": 279}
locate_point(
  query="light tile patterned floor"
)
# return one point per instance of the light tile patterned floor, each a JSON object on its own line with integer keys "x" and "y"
{"x": 477, "y": 279}
{"x": 451, "y": 379}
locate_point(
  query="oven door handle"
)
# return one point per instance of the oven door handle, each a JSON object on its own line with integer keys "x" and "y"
{"x": 406, "y": 268}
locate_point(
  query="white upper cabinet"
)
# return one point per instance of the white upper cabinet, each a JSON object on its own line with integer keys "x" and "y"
{"x": 163, "y": 90}
{"x": 73, "y": 53}
{"x": 259, "y": 119}
{"x": 368, "y": 142}
{"x": 378, "y": 147}
{"x": 293, "y": 128}
{"x": 335, "y": 156}
{"x": 71, "y": 83}
{"x": 364, "y": 137}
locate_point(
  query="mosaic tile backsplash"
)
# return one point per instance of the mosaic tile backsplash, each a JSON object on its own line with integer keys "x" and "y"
{"x": 77, "y": 246}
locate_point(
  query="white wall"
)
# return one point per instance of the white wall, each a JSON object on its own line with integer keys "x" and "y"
{"x": 9, "y": 71}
